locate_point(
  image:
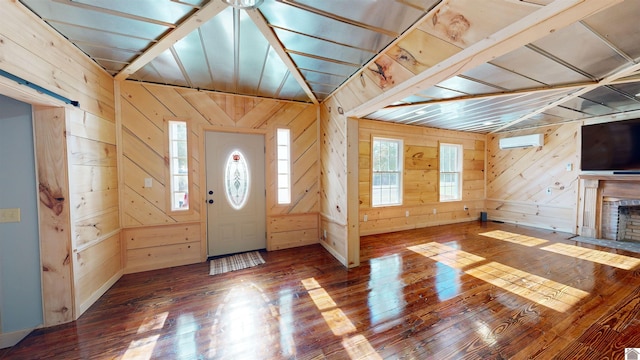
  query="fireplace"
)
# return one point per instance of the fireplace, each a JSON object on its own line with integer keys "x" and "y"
{"x": 620, "y": 219}
{"x": 609, "y": 207}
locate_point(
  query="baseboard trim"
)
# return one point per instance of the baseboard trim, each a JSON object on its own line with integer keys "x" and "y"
{"x": 12, "y": 338}
{"x": 98, "y": 293}
{"x": 335, "y": 254}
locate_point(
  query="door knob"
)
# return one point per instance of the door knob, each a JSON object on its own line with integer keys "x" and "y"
{"x": 210, "y": 201}
{"x": 210, "y": 192}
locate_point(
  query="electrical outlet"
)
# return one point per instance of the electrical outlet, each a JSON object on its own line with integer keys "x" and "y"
{"x": 148, "y": 182}
{"x": 406, "y": 213}
{"x": 365, "y": 218}
{"x": 324, "y": 234}
{"x": 434, "y": 211}
{"x": 466, "y": 208}
{"x": 569, "y": 167}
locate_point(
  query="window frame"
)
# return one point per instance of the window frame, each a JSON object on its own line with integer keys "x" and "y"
{"x": 168, "y": 174}
{"x": 399, "y": 171}
{"x": 289, "y": 166}
{"x": 459, "y": 171}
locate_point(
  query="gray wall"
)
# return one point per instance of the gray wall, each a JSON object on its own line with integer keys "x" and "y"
{"x": 20, "y": 288}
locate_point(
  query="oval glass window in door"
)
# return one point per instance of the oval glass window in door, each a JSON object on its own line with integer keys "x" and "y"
{"x": 236, "y": 179}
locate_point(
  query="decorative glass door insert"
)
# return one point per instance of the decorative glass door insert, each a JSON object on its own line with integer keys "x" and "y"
{"x": 236, "y": 179}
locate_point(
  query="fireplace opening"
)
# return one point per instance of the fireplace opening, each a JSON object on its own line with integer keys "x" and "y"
{"x": 621, "y": 220}
{"x": 628, "y": 223}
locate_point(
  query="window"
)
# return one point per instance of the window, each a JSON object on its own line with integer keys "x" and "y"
{"x": 450, "y": 172}
{"x": 283, "y": 144}
{"x": 178, "y": 165}
{"x": 386, "y": 182}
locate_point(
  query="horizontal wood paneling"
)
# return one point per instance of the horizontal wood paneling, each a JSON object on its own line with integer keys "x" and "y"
{"x": 293, "y": 230}
{"x": 145, "y": 108}
{"x": 157, "y": 247}
{"x": 532, "y": 186}
{"x": 420, "y": 178}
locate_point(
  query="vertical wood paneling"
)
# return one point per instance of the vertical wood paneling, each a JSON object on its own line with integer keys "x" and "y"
{"x": 532, "y": 186}
{"x": 333, "y": 180}
{"x": 420, "y": 178}
{"x": 55, "y": 216}
{"x": 144, "y": 110}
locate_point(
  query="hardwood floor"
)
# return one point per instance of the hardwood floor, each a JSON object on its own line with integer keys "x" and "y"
{"x": 490, "y": 291}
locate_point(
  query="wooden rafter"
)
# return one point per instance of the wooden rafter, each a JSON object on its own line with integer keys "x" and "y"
{"x": 203, "y": 15}
{"x": 268, "y": 33}
{"x": 528, "y": 29}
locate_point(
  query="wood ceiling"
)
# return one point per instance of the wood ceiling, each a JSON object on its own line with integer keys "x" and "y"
{"x": 456, "y": 65}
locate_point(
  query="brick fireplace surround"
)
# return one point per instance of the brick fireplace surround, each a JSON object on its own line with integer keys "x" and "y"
{"x": 602, "y": 199}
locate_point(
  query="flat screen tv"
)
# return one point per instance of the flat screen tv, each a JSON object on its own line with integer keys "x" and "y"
{"x": 612, "y": 146}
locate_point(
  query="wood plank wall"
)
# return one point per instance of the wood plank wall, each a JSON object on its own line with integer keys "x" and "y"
{"x": 79, "y": 226}
{"x": 333, "y": 177}
{"x": 146, "y": 107}
{"x": 518, "y": 179}
{"x": 420, "y": 178}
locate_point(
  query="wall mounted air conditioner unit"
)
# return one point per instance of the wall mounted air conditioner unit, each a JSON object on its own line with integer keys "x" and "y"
{"x": 522, "y": 141}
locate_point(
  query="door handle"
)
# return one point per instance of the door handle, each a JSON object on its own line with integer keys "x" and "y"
{"x": 210, "y": 192}
{"x": 210, "y": 201}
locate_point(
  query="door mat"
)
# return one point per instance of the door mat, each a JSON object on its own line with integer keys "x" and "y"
{"x": 235, "y": 262}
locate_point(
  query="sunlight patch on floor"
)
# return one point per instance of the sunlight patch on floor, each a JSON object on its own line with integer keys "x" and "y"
{"x": 546, "y": 292}
{"x": 600, "y": 257}
{"x": 540, "y": 290}
{"x": 358, "y": 347}
{"x": 447, "y": 255}
{"x": 515, "y": 238}
{"x": 142, "y": 349}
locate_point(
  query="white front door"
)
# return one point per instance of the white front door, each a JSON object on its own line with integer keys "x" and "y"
{"x": 236, "y": 213}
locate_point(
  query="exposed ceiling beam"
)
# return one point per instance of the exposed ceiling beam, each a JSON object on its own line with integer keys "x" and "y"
{"x": 277, "y": 46}
{"x": 606, "y": 81}
{"x": 193, "y": 22}
{"x": 538, "y": 24}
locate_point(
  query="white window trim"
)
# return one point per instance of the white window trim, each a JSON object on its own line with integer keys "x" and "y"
{"x": 459, "y": 172}
{"x": 400, "y": 171}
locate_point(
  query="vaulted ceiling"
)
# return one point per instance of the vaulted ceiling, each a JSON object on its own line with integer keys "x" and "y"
{"x": 304, "y": 50}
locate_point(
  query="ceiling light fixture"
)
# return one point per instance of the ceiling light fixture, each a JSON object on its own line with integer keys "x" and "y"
{"x": 244, "y": 4}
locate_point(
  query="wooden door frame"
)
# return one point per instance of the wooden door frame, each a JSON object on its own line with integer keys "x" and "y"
{"x": 201, "y": 132}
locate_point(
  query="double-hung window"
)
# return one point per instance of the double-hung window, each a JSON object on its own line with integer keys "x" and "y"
{"x": 450, "y": 172}
{"x": 386, "y": 180}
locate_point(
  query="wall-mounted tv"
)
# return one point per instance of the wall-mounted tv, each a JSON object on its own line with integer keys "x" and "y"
{"x": 612, "y": 146}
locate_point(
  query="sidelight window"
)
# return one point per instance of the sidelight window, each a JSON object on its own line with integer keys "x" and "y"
{"x": 178, "y": 165}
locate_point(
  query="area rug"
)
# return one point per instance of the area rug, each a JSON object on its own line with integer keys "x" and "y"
{"x": 235, "y": 262}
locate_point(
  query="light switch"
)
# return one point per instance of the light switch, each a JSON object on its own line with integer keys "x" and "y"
{"x": 9, "y": 215}
{"x": 148, "y": 182}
